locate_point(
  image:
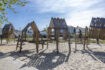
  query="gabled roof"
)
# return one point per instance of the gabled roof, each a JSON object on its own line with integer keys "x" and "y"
{"x": 7, "y": 27}
{"x": 98, "y": 22}
{"x": 32, "y": 25}
{"x": 58, "y": 23}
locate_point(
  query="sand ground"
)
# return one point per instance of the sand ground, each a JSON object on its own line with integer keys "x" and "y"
{"x": 93, "y": 58}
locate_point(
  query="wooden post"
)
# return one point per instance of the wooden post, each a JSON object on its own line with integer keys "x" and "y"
{"x": 18, "y": 42}
{"x": 50, "y": 33}
{"x": 42, "y": 42}
{"x": 55, "y": 33}
{"x": 47, "y": 40}
{"x": 69, "y": 42}
{"x": 33, "y": 39}
{"x": 21, "y": 42}
{"x": 75, "y": 43}
{"x": 88, "y": 37}
{"x": 86, "y": 40}
{"x": 98, "y": 36}
{"x": 75, "y": 39}
{"x": 48, "y": 36}
{"x": 97, "y": 39}
{"x": 57, "y": 41}
{"x": 7, "y": 40}
{"x": 84, "y": 43}
{"x": 1, "y": 38}
{"x": 66, "y": 32}
{"x": 37, "y": 42}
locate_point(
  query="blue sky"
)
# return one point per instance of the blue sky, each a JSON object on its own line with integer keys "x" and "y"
{"x": 76, "y": 12}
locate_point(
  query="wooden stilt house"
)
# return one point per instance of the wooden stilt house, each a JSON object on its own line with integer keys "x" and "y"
{"x": 58, "y": 28}
{"x": 96, "y": 30}
{"x": 8, "y": 31}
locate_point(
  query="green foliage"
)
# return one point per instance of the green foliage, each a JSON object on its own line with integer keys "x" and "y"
{"x": 8, "y": 4}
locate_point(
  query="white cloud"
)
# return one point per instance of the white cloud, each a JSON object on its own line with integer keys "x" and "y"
{"x": 76, "y": 12}
{"x": 83, "y": 18}
{"x": 62, "y": 5}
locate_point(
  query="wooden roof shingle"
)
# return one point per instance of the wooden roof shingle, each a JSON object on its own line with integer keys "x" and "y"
{"x": 58, "y": 23}
{"x": 97, "y": 22}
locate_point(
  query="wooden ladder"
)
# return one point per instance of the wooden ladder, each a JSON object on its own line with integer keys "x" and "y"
{"x": 19, "y": 43}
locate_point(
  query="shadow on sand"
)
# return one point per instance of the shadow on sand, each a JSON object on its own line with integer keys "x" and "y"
{"x": 96, "y": 55}
{"x": 7, "y": 45}
{"x": 100, "y": 56}
{"x": 46, "y": 61}
{"x": 41, "y": 61}
{"x": 14, "y": 54}
{"x": 1, "y": 55}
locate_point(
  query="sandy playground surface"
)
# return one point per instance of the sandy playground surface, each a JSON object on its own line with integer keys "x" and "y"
{"x": 93, "y": 58}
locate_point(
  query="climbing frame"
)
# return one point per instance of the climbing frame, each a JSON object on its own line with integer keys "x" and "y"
{"x": 36, "y": 36}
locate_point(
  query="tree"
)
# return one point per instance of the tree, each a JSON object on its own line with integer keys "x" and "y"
{"x": 8, "y": 4}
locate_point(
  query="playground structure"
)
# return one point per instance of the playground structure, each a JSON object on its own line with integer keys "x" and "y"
{"x": 96, "y": 30}
{"x": 78, "y": 36}
{"x": 58, "y": 28}
{"x": 7, "y": 32}
{"x": 36, "y": 35}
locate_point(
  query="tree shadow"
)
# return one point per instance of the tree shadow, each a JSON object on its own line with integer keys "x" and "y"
{"x": 46, "y": 61}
